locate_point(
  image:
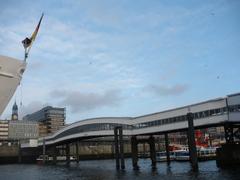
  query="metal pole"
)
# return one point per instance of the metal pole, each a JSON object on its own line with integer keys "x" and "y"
{"x": 192, "y": 143}
{"x": 25, "y": 54}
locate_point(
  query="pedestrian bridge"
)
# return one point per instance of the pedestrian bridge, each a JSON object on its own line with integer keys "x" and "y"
{"x": 215, "y": 112}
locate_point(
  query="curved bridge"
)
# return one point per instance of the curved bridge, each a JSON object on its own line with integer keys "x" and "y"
{"x": 216, "y": 112}
{"x": 90, "y": 128}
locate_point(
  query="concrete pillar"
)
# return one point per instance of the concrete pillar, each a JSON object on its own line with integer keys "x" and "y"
{"x": 152, "y": 151}
{"x": 121, "y": 148}
{"x": 116, "y": 147}
{"x": 54, "y": 154}
{"x": 144, "y": 149}
{"x": 112, "y": 149}
{"x": 44, "y": 151}
{"x": 19, "y": 152}
{"x": 77, "y": 152}
{"x": 134, "y": 152}
{"x": 68, "y": 153}
{"x": 159, "y": 145}
{"x": 192, "y": 143}
{"x": 167, "y": 148}
{"x": 228, "y": 155}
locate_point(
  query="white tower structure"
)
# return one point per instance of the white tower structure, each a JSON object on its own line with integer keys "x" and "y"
{"x": 11, "y": 71}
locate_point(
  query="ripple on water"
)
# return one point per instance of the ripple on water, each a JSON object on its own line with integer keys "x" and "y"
{"x": 105, "y": 169}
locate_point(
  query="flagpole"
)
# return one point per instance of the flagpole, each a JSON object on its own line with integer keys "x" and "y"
{"x": 25, "y": 54}
{"x": 27, "y": 42}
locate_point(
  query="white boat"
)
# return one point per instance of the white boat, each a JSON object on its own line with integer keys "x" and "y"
{"x": 162, "y": 156}
{"x": 41, "y": 158}
{"x": 207, "y": 153}
{"x": 11, "y": 71}
{"x": 49, "y": 159}
{"x": 181, "y": 155}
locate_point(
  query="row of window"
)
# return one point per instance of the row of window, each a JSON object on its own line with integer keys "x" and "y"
{"x": 234, "y": 108}
{"x": 110, "y": 126}
{"x": 93, "y": 127}
{"x": 196, "y": 115}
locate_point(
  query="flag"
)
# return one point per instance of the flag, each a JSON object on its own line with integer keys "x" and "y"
{"x": 27, "y": 42}
{"x": 36, "y": 30}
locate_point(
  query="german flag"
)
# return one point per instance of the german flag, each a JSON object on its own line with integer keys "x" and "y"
{"x": 27, "y": 42}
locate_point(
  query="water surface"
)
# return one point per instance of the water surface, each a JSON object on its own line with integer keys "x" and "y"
{"x": 105, "y": 169}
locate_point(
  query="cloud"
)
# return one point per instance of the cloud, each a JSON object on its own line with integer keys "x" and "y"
{"x": 161, "y": 90}
{"x": 35, "y": 65}
{"x": 31, "y": 108}
{"x": 79, "y": 101}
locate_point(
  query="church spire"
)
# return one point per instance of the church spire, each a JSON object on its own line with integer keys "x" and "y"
{"x": 15, "y": 111}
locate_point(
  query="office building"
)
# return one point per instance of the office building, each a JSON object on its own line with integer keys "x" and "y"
{"x": 20, "y": 130}
{"x": 50, "y": 119}
{"x": 3, "y": 130}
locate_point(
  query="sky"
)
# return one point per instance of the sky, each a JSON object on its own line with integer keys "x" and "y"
{"x": 122, "y": 58}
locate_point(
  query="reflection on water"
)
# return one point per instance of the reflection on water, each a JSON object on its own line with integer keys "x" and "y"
{"x": 105, "y": 169}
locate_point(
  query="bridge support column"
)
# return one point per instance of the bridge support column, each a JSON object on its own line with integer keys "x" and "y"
{"x": 77, "y": 152}
{"x": 144, "y": 149}
{"x": 121, "y": 147}
{"x": 134, "y": 152}
{"x": 152, "y": 151}
{"x": 19, "y": 152}
{"x": 54, "y": 153}
{"x": 116, "y": 141}
{"x": 192, "y": 143}
{"x": 44, "y": 151}
{"x": 67, "y": 153}
{"x": 167, "y": 148}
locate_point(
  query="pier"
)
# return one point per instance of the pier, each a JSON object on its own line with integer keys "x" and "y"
{"x": 148, "y": 126}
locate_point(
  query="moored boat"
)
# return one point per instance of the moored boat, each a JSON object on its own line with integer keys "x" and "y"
{"x": 207, "y": 153}
{"x": 181, "y": 155}
{"x": 162, "y": 156}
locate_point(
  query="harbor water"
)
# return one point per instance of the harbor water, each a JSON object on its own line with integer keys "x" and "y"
{"x": 105, "y": 169}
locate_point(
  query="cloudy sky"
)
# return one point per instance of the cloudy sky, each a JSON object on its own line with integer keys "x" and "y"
{"x": 122, "y": 58}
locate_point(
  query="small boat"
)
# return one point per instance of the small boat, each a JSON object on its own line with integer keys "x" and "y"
{"x": 162, "y": 156}
{"x": 182, "y": 155}
{"x": 207, "y": 153}
{"x": 49, "y": 159}
{"x": 41, "y": 158}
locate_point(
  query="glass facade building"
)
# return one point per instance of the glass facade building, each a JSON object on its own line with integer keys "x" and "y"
{"x": 50, "y": 119}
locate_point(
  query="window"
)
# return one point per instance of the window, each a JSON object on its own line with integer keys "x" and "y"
{"x": 206, "y": 113}
{"x": 211, "y": 112}
{"x": 217, "y": 111}
{"x": 196, "y": 116}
